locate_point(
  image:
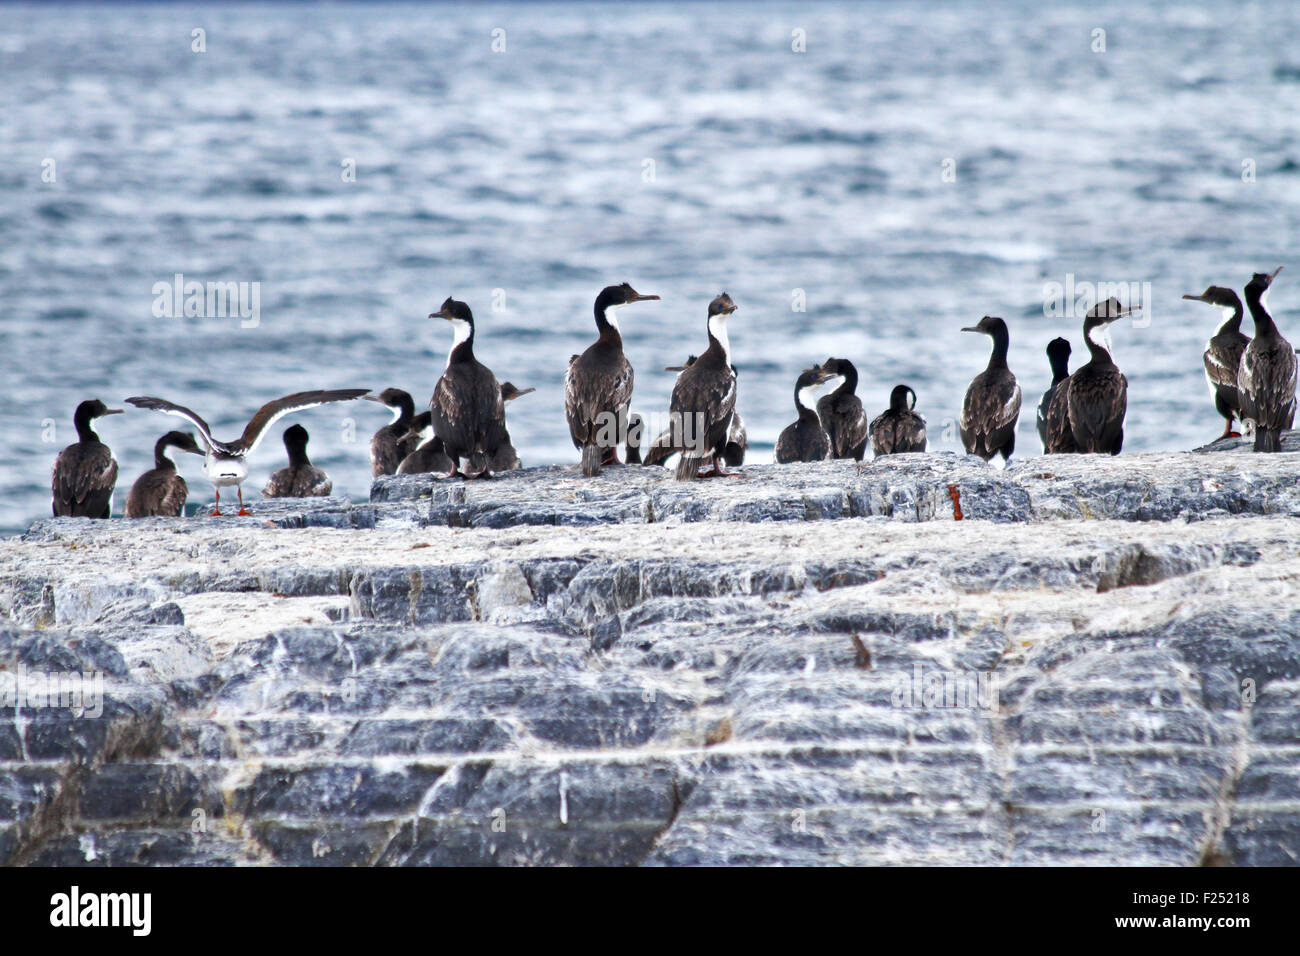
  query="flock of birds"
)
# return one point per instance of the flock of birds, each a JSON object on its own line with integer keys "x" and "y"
{"x": 463, "y": 432}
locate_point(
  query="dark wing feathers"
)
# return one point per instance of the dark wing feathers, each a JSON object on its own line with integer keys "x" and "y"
{"x": 271, "y": 412}
{"x": 83, "y": 480}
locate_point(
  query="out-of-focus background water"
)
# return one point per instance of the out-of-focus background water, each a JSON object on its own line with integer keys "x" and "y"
{"x": 526, "y": 171}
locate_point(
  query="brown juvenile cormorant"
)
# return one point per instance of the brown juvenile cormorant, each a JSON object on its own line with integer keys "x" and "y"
{"x": 161, "y": 491}
{"x": 388, "y": 446}
{"x": 992, "y": 406}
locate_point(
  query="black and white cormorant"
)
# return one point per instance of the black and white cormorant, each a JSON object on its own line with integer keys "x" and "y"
{"x": 992, "y": 406}
{"x": 1266, "y": 381}
{"x": 898, "y": 430}
{"x": 842, "y": 414}
{"x": 388, "y": 446}
{"x": 469, "y": 414}
{"x": 226, "y": 463}
{"x": 1223, "y": 354}
{"x": 300, "y": 479}
{"x": 1053, "y": 411}
{"x": 805, "y": 439}
{"x": 161, "y": 491}
{"x": 429, "y": 457}
{"x": 85, "y": 472}
{"x": 737, "y": 439}
{"x": 704, "y": 399}
{"x": 598, "y": 383}
{"x": 506, "y": 458}
{"x": 1097, "y": 393}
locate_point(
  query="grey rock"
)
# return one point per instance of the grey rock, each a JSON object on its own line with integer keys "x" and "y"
{"x": 804, "y": 664}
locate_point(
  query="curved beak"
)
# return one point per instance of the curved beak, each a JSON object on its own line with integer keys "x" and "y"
{"x": 372, "y": 397}
{"x": 1274, "y": 273}
{"x": 441, "y": 314}
{"x": 1195, "y": 298}
{"x": 971, "y": 328}
{"x": 645, "y": 298}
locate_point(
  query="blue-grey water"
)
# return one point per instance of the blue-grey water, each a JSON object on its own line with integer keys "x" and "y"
{"x": 520, "y": 180}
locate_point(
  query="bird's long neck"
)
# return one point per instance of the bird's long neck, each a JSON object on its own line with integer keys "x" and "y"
{"x": 462, "y": 345}
{"x": 1098, "y": 348}
{"x": 850, "y": 383}
{"x": 607, "y": 325}
{"x": 84, "y": 432}
{"x": 719, "y": 343}
{"x": 160, "y": 459}
{"x": 297, "y": 456}
{"x": 1001, "y": 342}
{"x": 800, "y": 393}
{"x": 1232, "y": 321}
{"x": 405, "y": 411}
{"x": 1060, "y": 368}
{"x": 1264, "y": 324}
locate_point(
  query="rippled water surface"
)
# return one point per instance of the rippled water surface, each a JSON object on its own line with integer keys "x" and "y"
{"x": 520, "y": 182}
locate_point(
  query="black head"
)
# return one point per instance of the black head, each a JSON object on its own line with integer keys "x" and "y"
{"x": 392, "y": 397}
{"x": 1110, "y": 310}
{"x": 989, "y": 325}
{"x": 1260, "y": 281}
{"x": 94, "y": 408}
{"x": 295, "y": 438}
{"x": 1058, "y": 350}
{"x": 722, "y": 305}
{"x": 902, "y": 399}
{"x": 839, "y": 366}
{"x": 453, "y": 310}
{"x": 813, "y": 376}
{"x": 510, "y": 391}
{"x": 616, "y": 295}
{"x": 1218, "y": 295}
{"x": 184, "y": 441}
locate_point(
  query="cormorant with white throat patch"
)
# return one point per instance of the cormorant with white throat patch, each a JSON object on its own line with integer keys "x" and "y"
{"x": 1223, "y": 354}
{"x": 468, "y": 413}
{"x": 704, "y": 398}
{"x": 388, "y": 446}
{"x": 805, "y": 439}
{"x": 1266, "y": 381}
{"x": 1097, "y": 393}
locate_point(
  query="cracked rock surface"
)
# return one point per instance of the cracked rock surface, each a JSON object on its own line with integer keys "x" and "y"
{"x": 805, "y": 664}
